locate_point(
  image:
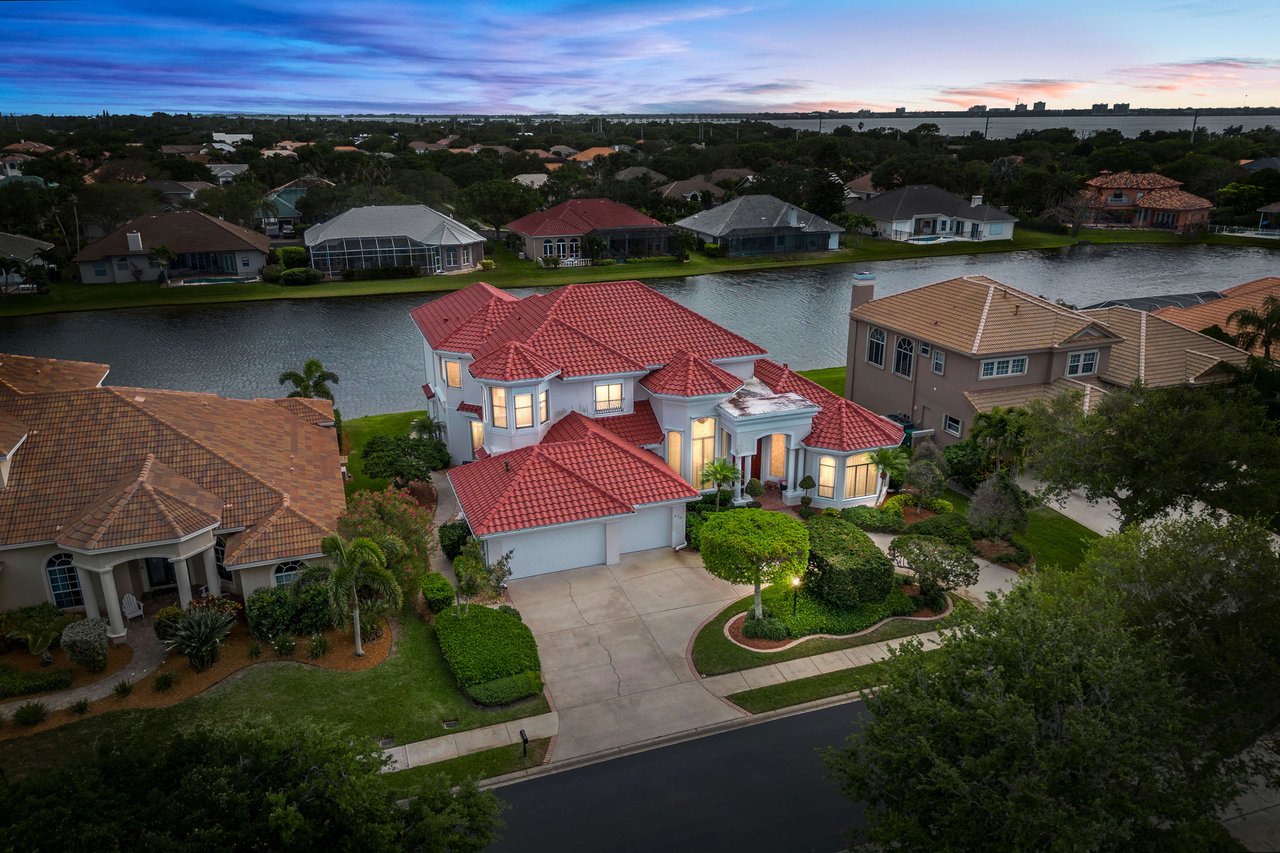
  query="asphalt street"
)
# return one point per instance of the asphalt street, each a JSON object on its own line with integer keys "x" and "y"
{"x": 761, "y": 787}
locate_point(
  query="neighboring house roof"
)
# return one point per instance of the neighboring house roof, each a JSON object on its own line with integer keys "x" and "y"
{"x": 1018, "y": 396}
{"x": 841, "y": 425}
{"x": 978, "y": 316}
{"x": 632, "y": 172}
{"x": 512, "y": 362}
{"x": 756, "y": 214}
{"x": 1158, "y": 352}
{"x": 1155, "y": 303}
{"x": 583, "y": 329}
{"x": 924, "y": 200}
{"x": 686, "y": 375}
{"x": 26, "y": 374}
{"x": 27, "y": 146}
{"x": 109, "y": 465}
{"x": 183, "y": 188}
{"x": 416, "y": 221}
{"x": 580, "y": 471}
{"x": 1215, "y": 313}
{"x": 1170, "y": 198}
{"x": 313, "y": 411}
{"x": 531, "y": 179}
{"x": 306, "y": 182}
{"x": 581, "y": 216}
{"x": 861, "y": 184}
{"x": 563, "y": 150}
{"x": 12, "y": 433}
{"x": 228, "y": 169}
{"x": 1274, "y": 207}
{"x": 181, "y": 149}
{"x": 1262, "y": 163}
{"x": 736, "y": 176}
{"x": 21, "y": 248}
{"x": 1132, "y": 181}
{"x": 182, "y": 231}
{"x": 591, "y": 153}
{"x": 697, "y": 184}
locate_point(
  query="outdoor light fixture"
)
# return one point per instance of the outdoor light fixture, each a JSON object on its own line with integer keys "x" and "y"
{"x": 795, "y": 593}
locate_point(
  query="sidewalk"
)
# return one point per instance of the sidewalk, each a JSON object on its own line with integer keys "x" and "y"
{"x": 443, "y": 748}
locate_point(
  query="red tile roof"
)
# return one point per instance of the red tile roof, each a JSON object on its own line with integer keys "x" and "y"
{"x": 427, "y": 392}
{"x": 1131, "y": 180}
{"x": 469, "y": 315}
{"x": 686, "y": 375}
{"x": 1171, "y": 198}
{"x": 842, "y": 424}
{"x": 641, "y": 428}
{"x": 580, "y": 471}
{"x": 581, "y": 216}
{"x": 471, "y": 409}
{"x": 512, "y": 362}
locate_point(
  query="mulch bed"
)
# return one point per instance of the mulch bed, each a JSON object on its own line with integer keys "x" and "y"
{"x": 913, "y": 514}
{"x": 989, "y": 549}
{"x": 761, "y": 645}
{"x": 118, "y": 658}
{"x": 425, "y": 494}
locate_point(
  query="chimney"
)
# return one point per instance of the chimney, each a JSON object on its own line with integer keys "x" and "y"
{"x": 135, "y": 241}
{"x": 975, "y": 201}
{"x": 863, "y": 292}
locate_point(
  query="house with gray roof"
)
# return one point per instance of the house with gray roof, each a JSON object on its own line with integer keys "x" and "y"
{"x": 762, "y": 224}
{"x": 227, "y": 172}
{"x": 923, "y": 213}
{"x": 26, "y": 252}
{"x": 394, "y": 235}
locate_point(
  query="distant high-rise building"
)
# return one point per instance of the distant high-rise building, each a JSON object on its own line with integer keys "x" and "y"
{"x": 1019, "y": 108}
{"x": 1099, "y": 108}
{"x": 1119, "y": 108}
{"x": 901, "y": 110}
{"x": 978, "y": 108}
{"x": 1037, "y": 107}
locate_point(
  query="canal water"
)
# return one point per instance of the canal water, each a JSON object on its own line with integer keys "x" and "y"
{"x": 799, "y": 315}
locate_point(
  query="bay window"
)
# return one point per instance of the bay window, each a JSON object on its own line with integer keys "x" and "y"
{"x": 524, "y": 410}
{"x": 860, "y": 478}
{"x": 498, "y": 406}
{"x": 826, "y": 476}
{"x": 703, "y": 447}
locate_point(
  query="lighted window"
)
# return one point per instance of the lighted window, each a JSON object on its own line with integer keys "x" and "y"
{"x": 64, "y": 581}
{"x": 777, "y": 456}
{"x": 951, "y": 425}
{"x": 1082, "y": 363}
{"x": 860, "y": 478}
{"x": 498, "y": 405}
{"x": 675, "y": 449}
{"x": 287, "y": 572}
{"x": 998, "y": 367}
{"x": 452, "y": 373}
{"x": 939, "y": 361}
{"x": 875, "y": 347}
{"x": 477, "y": 437}
{"x": 703, "y": 448}
{"x": 544, "y": 408}
{"x": 904, "y": 358}
{"x": 524, "y": 410}
{"x": 609, "y": 397}
{"x": 826, "y": 477}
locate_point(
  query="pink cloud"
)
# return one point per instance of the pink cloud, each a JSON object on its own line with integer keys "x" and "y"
{"x": 1008, "y": 90}
{"x": 1221, "y": 73}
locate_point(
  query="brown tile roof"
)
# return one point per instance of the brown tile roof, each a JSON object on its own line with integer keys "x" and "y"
{"x": 314, "y": 412}
{"x": 861, "y": 184}
{"x": 1159, "y": 352}
{"x": 697, "y": 184}
{"x": 1171, "y": 198}
{"x": 975, "y": 315}
{"x": 254, "y": 455}
{"x": 180, "y": 230}
{"x": 1215, "y": 313}
{"x": 1017, "y": 396}
{"x": 25, "y": 374}
{"x": 1132, "y": 180}
{"x": 29, "y": 147}
{"x": 12, "y": 431}
{"x": 592, "y": 153}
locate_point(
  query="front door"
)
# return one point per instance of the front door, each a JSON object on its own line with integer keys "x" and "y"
{"x": 160, "y": 572}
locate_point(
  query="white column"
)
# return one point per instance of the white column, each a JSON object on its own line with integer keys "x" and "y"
{"x": 211, "y": 573}
{"x": 88, "y": 592}
{"x": 183, "y": 577}
{"x": 111, "y": 599}
{"x": 793, "y": 474}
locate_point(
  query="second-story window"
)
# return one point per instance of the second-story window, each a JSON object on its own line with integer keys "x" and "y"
{"x": 524, "y": 410}
{"x": 544, "y": 408}
{"x": 452, "y": 373}
{"x": 498, "y": 405}
{"x": 609, "y": 397}
{"x": 904, "y": 357}
{"x": 994, "y": 367}
{"x": 939, "y": 361}
{"x": 875, "y": 347}
{"x": 1082, "y": 363}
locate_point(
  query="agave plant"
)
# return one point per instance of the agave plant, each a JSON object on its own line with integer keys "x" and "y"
{"x": 199, "y": 635}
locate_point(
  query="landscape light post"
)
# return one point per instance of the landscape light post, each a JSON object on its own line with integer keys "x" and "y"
{"x": 795, "y": 593}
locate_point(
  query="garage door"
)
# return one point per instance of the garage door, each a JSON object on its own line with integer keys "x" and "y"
{"x": 648, "y": 528}
{"x": 540, "y": 551}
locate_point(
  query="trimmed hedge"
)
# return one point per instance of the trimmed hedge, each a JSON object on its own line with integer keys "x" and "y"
{"x": 16, "y": 682}
{"x": 899, "y": 502}
{"x": 300, "y": 276}
{"x": 486, "y": 646}
{"x": 950, "y": 527}
{"x": 875, "y": 520}
{"x": 276, "y": 610}
{"x": 453, "y": 536}
{"x": 846, "y": 569}
{"x": 437, "y": 592}
{"x": 85, "y": 642}
{"x": 815, "y": 616}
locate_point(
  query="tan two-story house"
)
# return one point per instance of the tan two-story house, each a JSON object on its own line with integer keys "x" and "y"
{"x": 938, "y": 355}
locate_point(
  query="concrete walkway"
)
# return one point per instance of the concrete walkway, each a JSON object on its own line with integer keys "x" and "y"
{"x": 475, "y": 740}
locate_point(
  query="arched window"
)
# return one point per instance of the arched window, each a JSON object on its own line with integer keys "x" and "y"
{"x": 64, "y": 581}
{"x": 548, "y": 248}
{"x": 904, "y": 357}
{"x": 287, "y": 572}
{"x": 875, "y": 347}
{"x": 220, "y": 557}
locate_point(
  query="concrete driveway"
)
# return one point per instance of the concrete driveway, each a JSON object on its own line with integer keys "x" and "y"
{"x": 612, "y": 641}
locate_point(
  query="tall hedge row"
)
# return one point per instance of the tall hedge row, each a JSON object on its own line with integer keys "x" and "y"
{"x": 846, "y": 568}
{"x": 492, "y": 654}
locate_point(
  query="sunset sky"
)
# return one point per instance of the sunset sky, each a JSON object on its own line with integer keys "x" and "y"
{"x": 572, "y": 56}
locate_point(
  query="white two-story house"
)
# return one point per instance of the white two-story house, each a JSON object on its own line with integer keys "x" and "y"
{"x": 588, "y": 413}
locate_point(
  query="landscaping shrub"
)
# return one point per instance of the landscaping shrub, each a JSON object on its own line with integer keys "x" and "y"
{"x": 768, "y": 628}
{"x": 293, "y": 257}
{"x": 122, "y": 689}
{"x": 504, "y": 691}
{"x": 164, "y": 682}
{"x": 815, "y": 616}
{"x": 603, "y": 262}
{"x": 318, "y": 646}
{"x": 874, "y": 520}
{"x": 711, "y": 250}
{"x": 270, "y": 611}
{"x": 509, "y": 610}
{"x": 939, "y": 505}
{"x": 16, "y": 682}
{"x": 805, "y": 511}
{"x": 488, "y": 264}
{"x": 693, "y": 530}
{"x": 950, "y": 527}
{"x": 967, "y": 463}
{"x": 167, "y": 618}
{"x": 223, "y": 605}
{"x": 302, "y": 276}
{"x": 80, "y": 707}
{"x": 846, "y": 569}
{"x": 755, "y": 488}
{"x": 998, "y": 508}
{"x": 312, "y": 612}
{"x": 199, "y": 636}
{"x": 284, "y": 644}
{"x": 36, "y": 627}
{"x": 487, "y": 645}
{"x": 255, "y": 650}
{"x": 453, "y": 536}
{"x": 939, "y": 566}
{"x": 85, "y": 642}
{"x": 437, "y": 592}
{"x": 31, "y": 713}
{"x": 271, "y": 273}
{"x": 550, "y": 262}
{"x": 1017, "y": 556}
{"x": 899, "y": 503}
{"x": 373, "y": 619}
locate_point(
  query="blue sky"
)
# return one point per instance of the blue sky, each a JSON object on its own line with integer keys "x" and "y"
{"x": 496, "y": 56}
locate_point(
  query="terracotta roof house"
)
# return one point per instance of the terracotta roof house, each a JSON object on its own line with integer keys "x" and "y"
{"x": 937, "y": 355}
{"x": 108, "y": 491}
{"x": 588, "y": 413}
{"x": 204, "y": 245}
{"x": 589, "y": 155}
{"x": 923, "y": 213}
{"x": 394, "y": 235}
{"x": 1200, "y": 318}
{"x": 28, "y": 146}
{"x": 762, "y": 224}
{"x": 560, "y": 231}
{"x": 860, "y": 188}
{"x": 1144, "y": 200}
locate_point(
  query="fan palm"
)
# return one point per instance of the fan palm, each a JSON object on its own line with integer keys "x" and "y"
{"x": 356, "y": 570}
{"x": 1257, "y": 327}
{"x": 892, "y": 463}
{"x": 313, "y": 381}
{"x": 720, "y": 472}
{"x": 427, "y": 426}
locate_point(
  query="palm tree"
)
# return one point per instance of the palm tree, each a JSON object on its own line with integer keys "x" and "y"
{"x": 427, "y": 426}
{"x": 356, "y": 570}
{"x": 164, "y": 256}
{"x": 892, "y": 462}
{"x": 720, "y": 472}
{"x": 1002, "y": 433}
{"x": 1257, "y": 327}
{"x": 313, "y": 381}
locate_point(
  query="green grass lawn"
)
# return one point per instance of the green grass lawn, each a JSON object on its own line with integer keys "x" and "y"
{"x": 810, "y": 689}
{"x": 360, "y": 430}
{"x": 1051, "y": 537}
{"x": 407, "y": 697}
{"x": 477, "y": 766}
{"x": 831, "y": 378}
{"x": 715, "y": 654}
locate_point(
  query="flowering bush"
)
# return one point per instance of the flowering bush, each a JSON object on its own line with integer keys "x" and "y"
{"x": 85, "y": 642}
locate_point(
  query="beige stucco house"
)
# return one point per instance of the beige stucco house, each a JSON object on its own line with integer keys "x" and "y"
{"x": 110, "y": 491}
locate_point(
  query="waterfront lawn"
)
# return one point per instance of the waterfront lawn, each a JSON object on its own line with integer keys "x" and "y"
{"x": 408, "y": 697}
{"x": 831, "y": 378}
{"x": 1051, "y": 537}
{"x": 477, "y": 766}
{"x": 359, "y": 431}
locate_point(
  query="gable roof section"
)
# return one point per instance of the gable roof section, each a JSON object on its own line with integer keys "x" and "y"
{"x": 474, "y": 308}
{"x": 923, "y": 200}
{"x": 1160, "y": 352}
{"x": 287, "y": 531}
{"x": 580, "y": 471}
{"x": 1172, "y": 198}
{"x": 21, "y": 248}
{"x": 1132, "y": 180}
{"x": 697, "y": 184}
{"x": 1017, "y": 396}
{"x": 978, "y": 315}
{"x": 686, "y": 375}
{"x": 581, "y": 216}
{"x": 512, "y": 362}
{"x": 182, "y": 231}
{"x": 12, "y": 432}
{"x": 415, "y": 221}
{"x": 25, "y": 374}
{"x": 841, "y": 425}
{"x": 589, "y": 154}
{"x": 640, "y": 428}
{"x": 756, "y": 214}
{"x": 1198, "y": 317}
